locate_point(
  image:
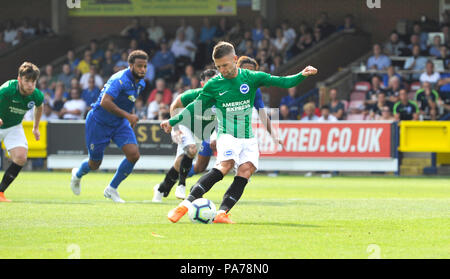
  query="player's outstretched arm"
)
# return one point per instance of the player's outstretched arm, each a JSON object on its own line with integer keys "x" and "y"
{"x": 265, "y": 79}
{"x": 108, "y": 104}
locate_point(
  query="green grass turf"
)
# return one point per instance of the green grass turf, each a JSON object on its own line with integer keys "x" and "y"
{"x": 277, "y": 217}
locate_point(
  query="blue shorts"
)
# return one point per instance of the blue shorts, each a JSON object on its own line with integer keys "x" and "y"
{"x": 98, "y": 136}
{"x": 205, "y": 149}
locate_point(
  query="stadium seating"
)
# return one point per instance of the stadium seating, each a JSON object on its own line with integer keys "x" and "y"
{"x": 355, "y": 116}
{"x": 415, "y": 86}
{"x": 362, "y": 86}
{"x": 345, "y": 102}
{"x": 356, "y": 105}
{"x": 357, "y": 96}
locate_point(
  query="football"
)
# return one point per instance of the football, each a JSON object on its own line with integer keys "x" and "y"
{"x": 202, "y": 211}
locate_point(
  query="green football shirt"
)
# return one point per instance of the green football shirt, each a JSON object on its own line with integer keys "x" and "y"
{"x": 234, "y": 98}
{"x": 14, "y": 105}
{"x": 202, "y": 125}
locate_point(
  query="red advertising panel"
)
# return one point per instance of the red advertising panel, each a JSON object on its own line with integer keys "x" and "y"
{"x": 330, "y": 140}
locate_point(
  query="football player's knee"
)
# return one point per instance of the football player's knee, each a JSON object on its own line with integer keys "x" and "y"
{"x": 134, "y": 157}
{"x": 94, "y": 165}
{"x": 20, "y": 159}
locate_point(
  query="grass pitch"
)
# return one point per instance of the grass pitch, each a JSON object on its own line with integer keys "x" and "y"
{"x": 277, "y": 217}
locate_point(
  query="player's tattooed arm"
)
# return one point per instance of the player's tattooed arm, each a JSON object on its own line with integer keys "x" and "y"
{"x": 108, "y": 104}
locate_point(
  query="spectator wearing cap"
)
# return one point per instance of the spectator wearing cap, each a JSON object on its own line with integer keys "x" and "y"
{"x": 378, "y": 61}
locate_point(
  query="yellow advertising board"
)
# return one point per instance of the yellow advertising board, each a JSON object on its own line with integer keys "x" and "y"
{"x": 151, "y": 7}
{"x": 425, "y": 136}
{"x": 36, "y": 149}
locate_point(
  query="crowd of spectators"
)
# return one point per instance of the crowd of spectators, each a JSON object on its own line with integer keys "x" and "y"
{"x": 13, "y": 33}
{"x": 409, "y": 79}
{"x": 175, "y": 61}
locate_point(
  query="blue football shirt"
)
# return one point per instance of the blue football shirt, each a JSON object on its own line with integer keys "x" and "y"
{"x": 122, "y": 87}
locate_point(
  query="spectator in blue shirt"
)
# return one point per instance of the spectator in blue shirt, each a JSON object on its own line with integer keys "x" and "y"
{"x": 164, "y": 61}
{"x": 378, "y": 61}
{"x": 257, "y": 31}
{"x": 150, "y": 75}
{"x": 90, "y": 94}
{"x": 390, "y": 73}
{"x": 415, "y": 62}
{"x": 434, "y": 49}
{"x": 207, "y": 31}
{"x": 290, "y": 103}
{"x": 122, "y": 63}
{"x": 422, "y": 36}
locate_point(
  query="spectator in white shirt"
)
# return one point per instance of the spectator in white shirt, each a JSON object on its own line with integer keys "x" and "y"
{"x": 326, "y": 115}
{"x": 182, "y": 47}
{"x": 48, "y": 114}
{"x": 309, "y": 110}
{"x": 153, "y": 107}
{"x": 280, "y": 42}
{"x": 288, "y": 32}
{"x": 74, "y": 109}
{"x": 155, "y": 32}
{"x": 84, "y": 81}
{"x": 10, "y": 32}
{"x": 27, "y": 29}
{"x": 429, "y": 75}
{"x": 188, "y": 30}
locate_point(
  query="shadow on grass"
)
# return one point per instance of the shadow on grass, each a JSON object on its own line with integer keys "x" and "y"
{"x": 277, "y": 224}
{"x": 277, "y": 203}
